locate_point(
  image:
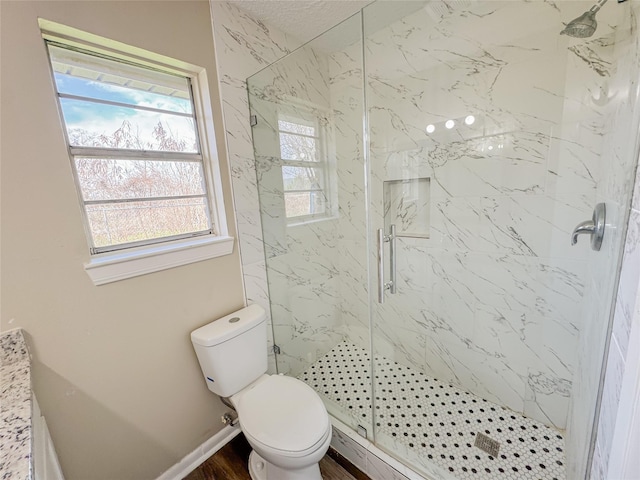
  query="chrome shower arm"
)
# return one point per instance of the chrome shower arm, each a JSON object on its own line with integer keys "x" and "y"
{"x": 598, "y": 6}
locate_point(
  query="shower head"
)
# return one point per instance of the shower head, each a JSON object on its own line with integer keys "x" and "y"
{"x": 581, "y": 27}
{"x": 585, "y": 25}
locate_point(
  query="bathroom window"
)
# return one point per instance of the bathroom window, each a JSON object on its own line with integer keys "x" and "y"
{"x": 305, "y": 168}
{"x": 144, "y": 178}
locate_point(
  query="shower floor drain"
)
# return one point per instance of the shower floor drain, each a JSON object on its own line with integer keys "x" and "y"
{"x": 433, "y": 420}
{"x": 487, "y": 444}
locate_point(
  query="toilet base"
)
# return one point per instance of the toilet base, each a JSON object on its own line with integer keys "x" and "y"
{"x": 260, "y": 469}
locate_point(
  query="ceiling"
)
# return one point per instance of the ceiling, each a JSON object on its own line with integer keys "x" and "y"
{"x": 303, "y": 19}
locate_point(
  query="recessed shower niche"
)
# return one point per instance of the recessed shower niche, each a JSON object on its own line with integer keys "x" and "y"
{"x": 406, "y": 205}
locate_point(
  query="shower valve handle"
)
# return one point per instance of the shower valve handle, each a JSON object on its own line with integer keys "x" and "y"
{"x": 593, "y": 227}
{"x": 586, "y": 227}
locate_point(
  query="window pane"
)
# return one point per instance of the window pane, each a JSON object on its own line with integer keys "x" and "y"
{"x": 296, "y": 128}
{"x": 116, "y": 223}
{"x": 79, "y": 73}
{"x": 113, "y": 179}
{"x": 88, "y": 88}
{"x": 295, "y": 147}
{"x": 97, "y": 125}
{"x": 304, "y": 203}
{"x": 301, "y": 178}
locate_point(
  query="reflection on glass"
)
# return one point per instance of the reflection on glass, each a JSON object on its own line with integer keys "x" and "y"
{"x": 297, "y": 147}
{"x": 304, "y": 169}
{"x": 298, "y": 204}
{"x": 301, "y": 178}
{"x": 296, "y": 128}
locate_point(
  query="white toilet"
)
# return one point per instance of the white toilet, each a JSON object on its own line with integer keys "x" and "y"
{"x": 283, "y": 419}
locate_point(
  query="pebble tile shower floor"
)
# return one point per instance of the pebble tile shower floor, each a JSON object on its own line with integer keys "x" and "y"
{"x": 438, "y": 421}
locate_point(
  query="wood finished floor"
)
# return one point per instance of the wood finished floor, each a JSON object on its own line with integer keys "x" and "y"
{"x": 230, "y": 463}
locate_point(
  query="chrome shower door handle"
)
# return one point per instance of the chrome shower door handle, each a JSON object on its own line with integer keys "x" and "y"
{"x": 392, "y": 259}
{"x": 380, "y": 265}
{"x": 594, "y": 227}
{"x": 391, "y": 284}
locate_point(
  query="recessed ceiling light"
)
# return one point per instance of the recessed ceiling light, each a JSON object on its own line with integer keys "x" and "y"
{"x": 431, "y": 128}
{"x": 450, "y": 124}
{"x": 469, "y": 120}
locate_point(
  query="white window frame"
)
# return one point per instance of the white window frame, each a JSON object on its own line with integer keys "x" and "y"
{"x": 156, "y": 255}
{"x": 309, "y": 118}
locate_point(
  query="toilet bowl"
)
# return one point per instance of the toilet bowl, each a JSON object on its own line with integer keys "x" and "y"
{"x": 287, "y": 426}
{"x": 282, "y": 418}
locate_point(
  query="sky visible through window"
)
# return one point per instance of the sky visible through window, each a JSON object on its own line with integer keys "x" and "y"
{"x": 88, "y": 88}
{"x": 88, "y": 121}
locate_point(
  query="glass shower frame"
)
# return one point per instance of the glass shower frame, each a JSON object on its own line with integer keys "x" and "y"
{"x": 306, "y": 256}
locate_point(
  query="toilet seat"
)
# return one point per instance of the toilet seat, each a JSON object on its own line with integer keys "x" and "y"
{"x": 273, "y": 454}
{"x": 283, "y": 415}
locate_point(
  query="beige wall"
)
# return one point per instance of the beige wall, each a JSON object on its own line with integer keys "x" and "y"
{"x": 114, "y": 370}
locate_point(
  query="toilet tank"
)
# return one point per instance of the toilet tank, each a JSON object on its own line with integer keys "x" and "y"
{"x": 232, "y": 351}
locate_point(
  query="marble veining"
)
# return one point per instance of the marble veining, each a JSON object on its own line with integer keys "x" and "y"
{"x": 15, "y": 407}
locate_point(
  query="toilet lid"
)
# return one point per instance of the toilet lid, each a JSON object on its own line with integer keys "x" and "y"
{"x": 283, "y": 413}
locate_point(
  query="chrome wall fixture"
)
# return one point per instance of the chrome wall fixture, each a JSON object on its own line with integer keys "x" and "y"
{"x": 391, "y": 284}
{"x": 585, "y": 25}
{"x": 391, "y": 238}
{"x": 594, "y": 227}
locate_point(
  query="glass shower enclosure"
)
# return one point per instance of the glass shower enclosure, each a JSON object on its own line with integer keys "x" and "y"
{"x": 421, "y": 168}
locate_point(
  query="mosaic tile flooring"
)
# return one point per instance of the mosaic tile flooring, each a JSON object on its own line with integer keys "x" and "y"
{"x": 436, "y": 420}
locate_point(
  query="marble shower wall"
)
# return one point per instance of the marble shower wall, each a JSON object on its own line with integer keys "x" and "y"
{"x": 245, "y": 46}
{"x": 492, "y": 300}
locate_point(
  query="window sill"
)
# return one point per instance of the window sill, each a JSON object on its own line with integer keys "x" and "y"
{"x": 301, "y": 221}
{"x": 112, "y": 267}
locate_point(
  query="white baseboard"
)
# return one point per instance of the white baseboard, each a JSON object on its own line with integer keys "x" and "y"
{"x": 191, "y": 461}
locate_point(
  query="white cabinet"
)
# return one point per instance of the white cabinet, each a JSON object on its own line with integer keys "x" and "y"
{"x": 45, "y": 460}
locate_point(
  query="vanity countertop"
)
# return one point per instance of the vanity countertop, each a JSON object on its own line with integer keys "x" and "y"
{"x": 15, "y": 407}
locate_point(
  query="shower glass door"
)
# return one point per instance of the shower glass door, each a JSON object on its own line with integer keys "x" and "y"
{"x": 491, "y": 136}
{"x": 308, "y": 145}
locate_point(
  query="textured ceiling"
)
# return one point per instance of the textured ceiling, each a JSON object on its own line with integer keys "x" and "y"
{"x": 304, "y": 19}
